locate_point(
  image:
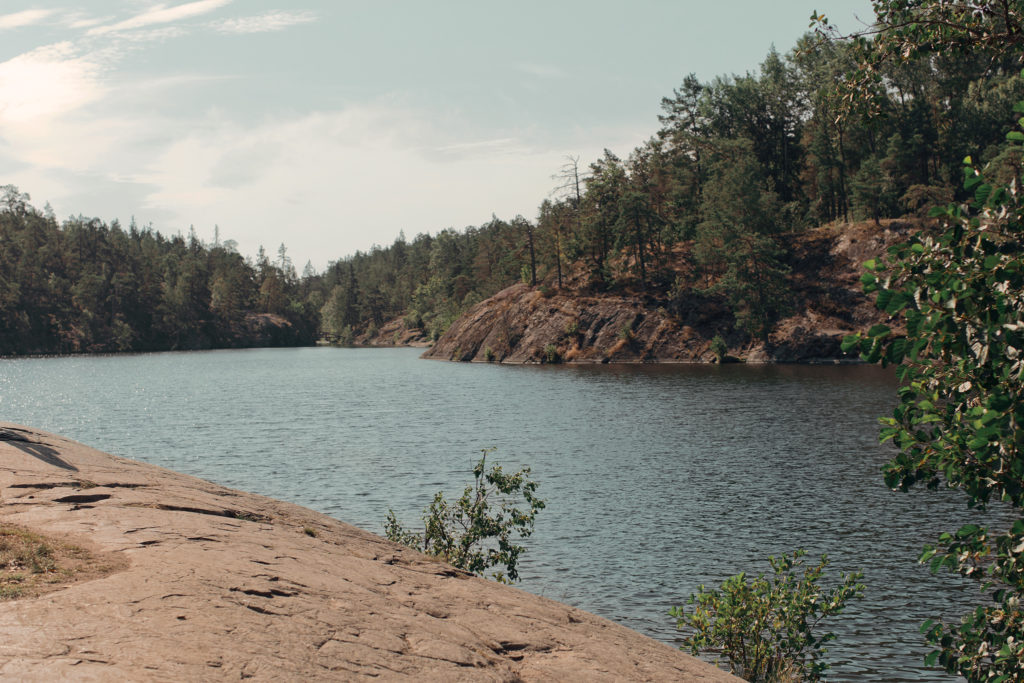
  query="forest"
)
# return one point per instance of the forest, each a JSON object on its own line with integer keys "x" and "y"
{"x": 707, "y": 208}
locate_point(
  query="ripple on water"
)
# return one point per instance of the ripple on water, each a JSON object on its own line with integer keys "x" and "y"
{"x": 658, "y": 479}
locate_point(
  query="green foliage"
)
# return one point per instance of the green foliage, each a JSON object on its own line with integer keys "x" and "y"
{"x": 872, "y": 192}
{"x": 86, "y": 286}
{"x": 735, "y": 246}
{"x": 755, "y": 284}
{"x": 719, "y": 348}
{"x": 551, "y": 354}
{"x": 765, "y": 627}
{"x": 961, "y": 403}
{"x": 911, "y": 27}
{"x": 479, "y": 530}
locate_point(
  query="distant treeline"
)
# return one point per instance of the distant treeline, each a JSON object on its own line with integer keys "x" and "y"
{"x": 83, "y": 286}
{"x": 703, "y": 209}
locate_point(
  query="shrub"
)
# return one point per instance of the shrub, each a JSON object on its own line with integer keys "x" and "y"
{"x": 413, "y": 321}
{"x": 719, "y": 348}
{"x": 958, "y": 420}
{"x": 551, "y": 354}
{"x": 478, "y": 531}
{"x": 345, "y": 337}
{"x": 489, "y": 354}
{"x": 765, "y": 627}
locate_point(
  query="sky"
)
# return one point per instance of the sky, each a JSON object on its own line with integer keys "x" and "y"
{"x": 333, "y": 125}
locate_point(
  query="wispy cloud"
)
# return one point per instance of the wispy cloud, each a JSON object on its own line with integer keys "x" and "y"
{"x": 263, "y": 23}
{"x": 46, "y": 82}
{"x": 82, "y": 21}
{"x": 161, "y": 14}
{"x": 23, "y": 18}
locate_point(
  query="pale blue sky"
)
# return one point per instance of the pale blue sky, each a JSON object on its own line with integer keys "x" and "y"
{"x": 331, "y": 125}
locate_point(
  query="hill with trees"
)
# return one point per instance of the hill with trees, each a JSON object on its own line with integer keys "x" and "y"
{"x": 713, "y": 216}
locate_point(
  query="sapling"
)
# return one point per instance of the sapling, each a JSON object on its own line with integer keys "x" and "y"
{"x": 479, "y": 530}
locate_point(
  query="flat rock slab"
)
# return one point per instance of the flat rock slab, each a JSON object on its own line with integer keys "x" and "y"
{"x": 212, "y": 583}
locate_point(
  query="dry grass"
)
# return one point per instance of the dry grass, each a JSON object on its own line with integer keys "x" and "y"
{"x": 32, "y": 564}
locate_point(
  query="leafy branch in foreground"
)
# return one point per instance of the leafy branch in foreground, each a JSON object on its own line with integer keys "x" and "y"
{"x": 479, "y": 530}
{"x": 960, "y": 417}
{"x": 765, "y": 627}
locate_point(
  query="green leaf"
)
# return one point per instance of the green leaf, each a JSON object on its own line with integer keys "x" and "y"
{"x": 897, "y": 351}
{"x": 982, "y": 193}
{"x": 879, "y": 331}
{"x": 1015, "y": 136}
{"x": 967, "y": 530}
{"x": 977, "y": 443}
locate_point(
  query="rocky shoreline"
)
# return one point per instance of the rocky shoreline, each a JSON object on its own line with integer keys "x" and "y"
{"x": 196, "y": 581}
{"x": 524, "y": 324}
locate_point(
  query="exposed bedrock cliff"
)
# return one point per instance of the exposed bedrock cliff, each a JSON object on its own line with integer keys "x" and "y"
{"x": 524, "y": 324}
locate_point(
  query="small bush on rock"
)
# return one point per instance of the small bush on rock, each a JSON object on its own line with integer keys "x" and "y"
{"x": 764, "y": 627}
{"x": 479, "y": 530}
{"x": 719, "y": 348}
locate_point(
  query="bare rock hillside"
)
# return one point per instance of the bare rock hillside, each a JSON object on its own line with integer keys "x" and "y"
{"x": 523, "y": 324}
{"x": 197, "y": 582}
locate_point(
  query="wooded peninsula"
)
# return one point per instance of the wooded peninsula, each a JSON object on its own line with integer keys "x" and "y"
{"x": 724, "y": 223}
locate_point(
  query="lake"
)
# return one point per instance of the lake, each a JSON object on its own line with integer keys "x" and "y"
{"x": 657, "y": 478}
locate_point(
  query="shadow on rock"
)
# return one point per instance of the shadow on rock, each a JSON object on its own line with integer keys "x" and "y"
{"x": 47, "y": 454}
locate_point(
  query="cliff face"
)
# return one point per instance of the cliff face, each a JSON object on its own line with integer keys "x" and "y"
{"x": 524, "y": 324}
{"x": 393, "y": 333}
{"x": 199, "y": 582}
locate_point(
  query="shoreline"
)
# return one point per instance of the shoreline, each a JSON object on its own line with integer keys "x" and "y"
{"x": 656, "y": 361}
{"x": 215, "y": 583}
{"x": 426, "y": 349}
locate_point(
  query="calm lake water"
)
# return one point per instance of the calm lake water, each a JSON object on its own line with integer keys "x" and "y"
{"x": 657, "y": 478}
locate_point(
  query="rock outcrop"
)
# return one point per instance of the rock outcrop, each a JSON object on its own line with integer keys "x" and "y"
{"x": 393, "y": 333}
{"x": 267, "y": 329}
{"x": 523, "y": 324}
{"x": 209, "y": 583}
